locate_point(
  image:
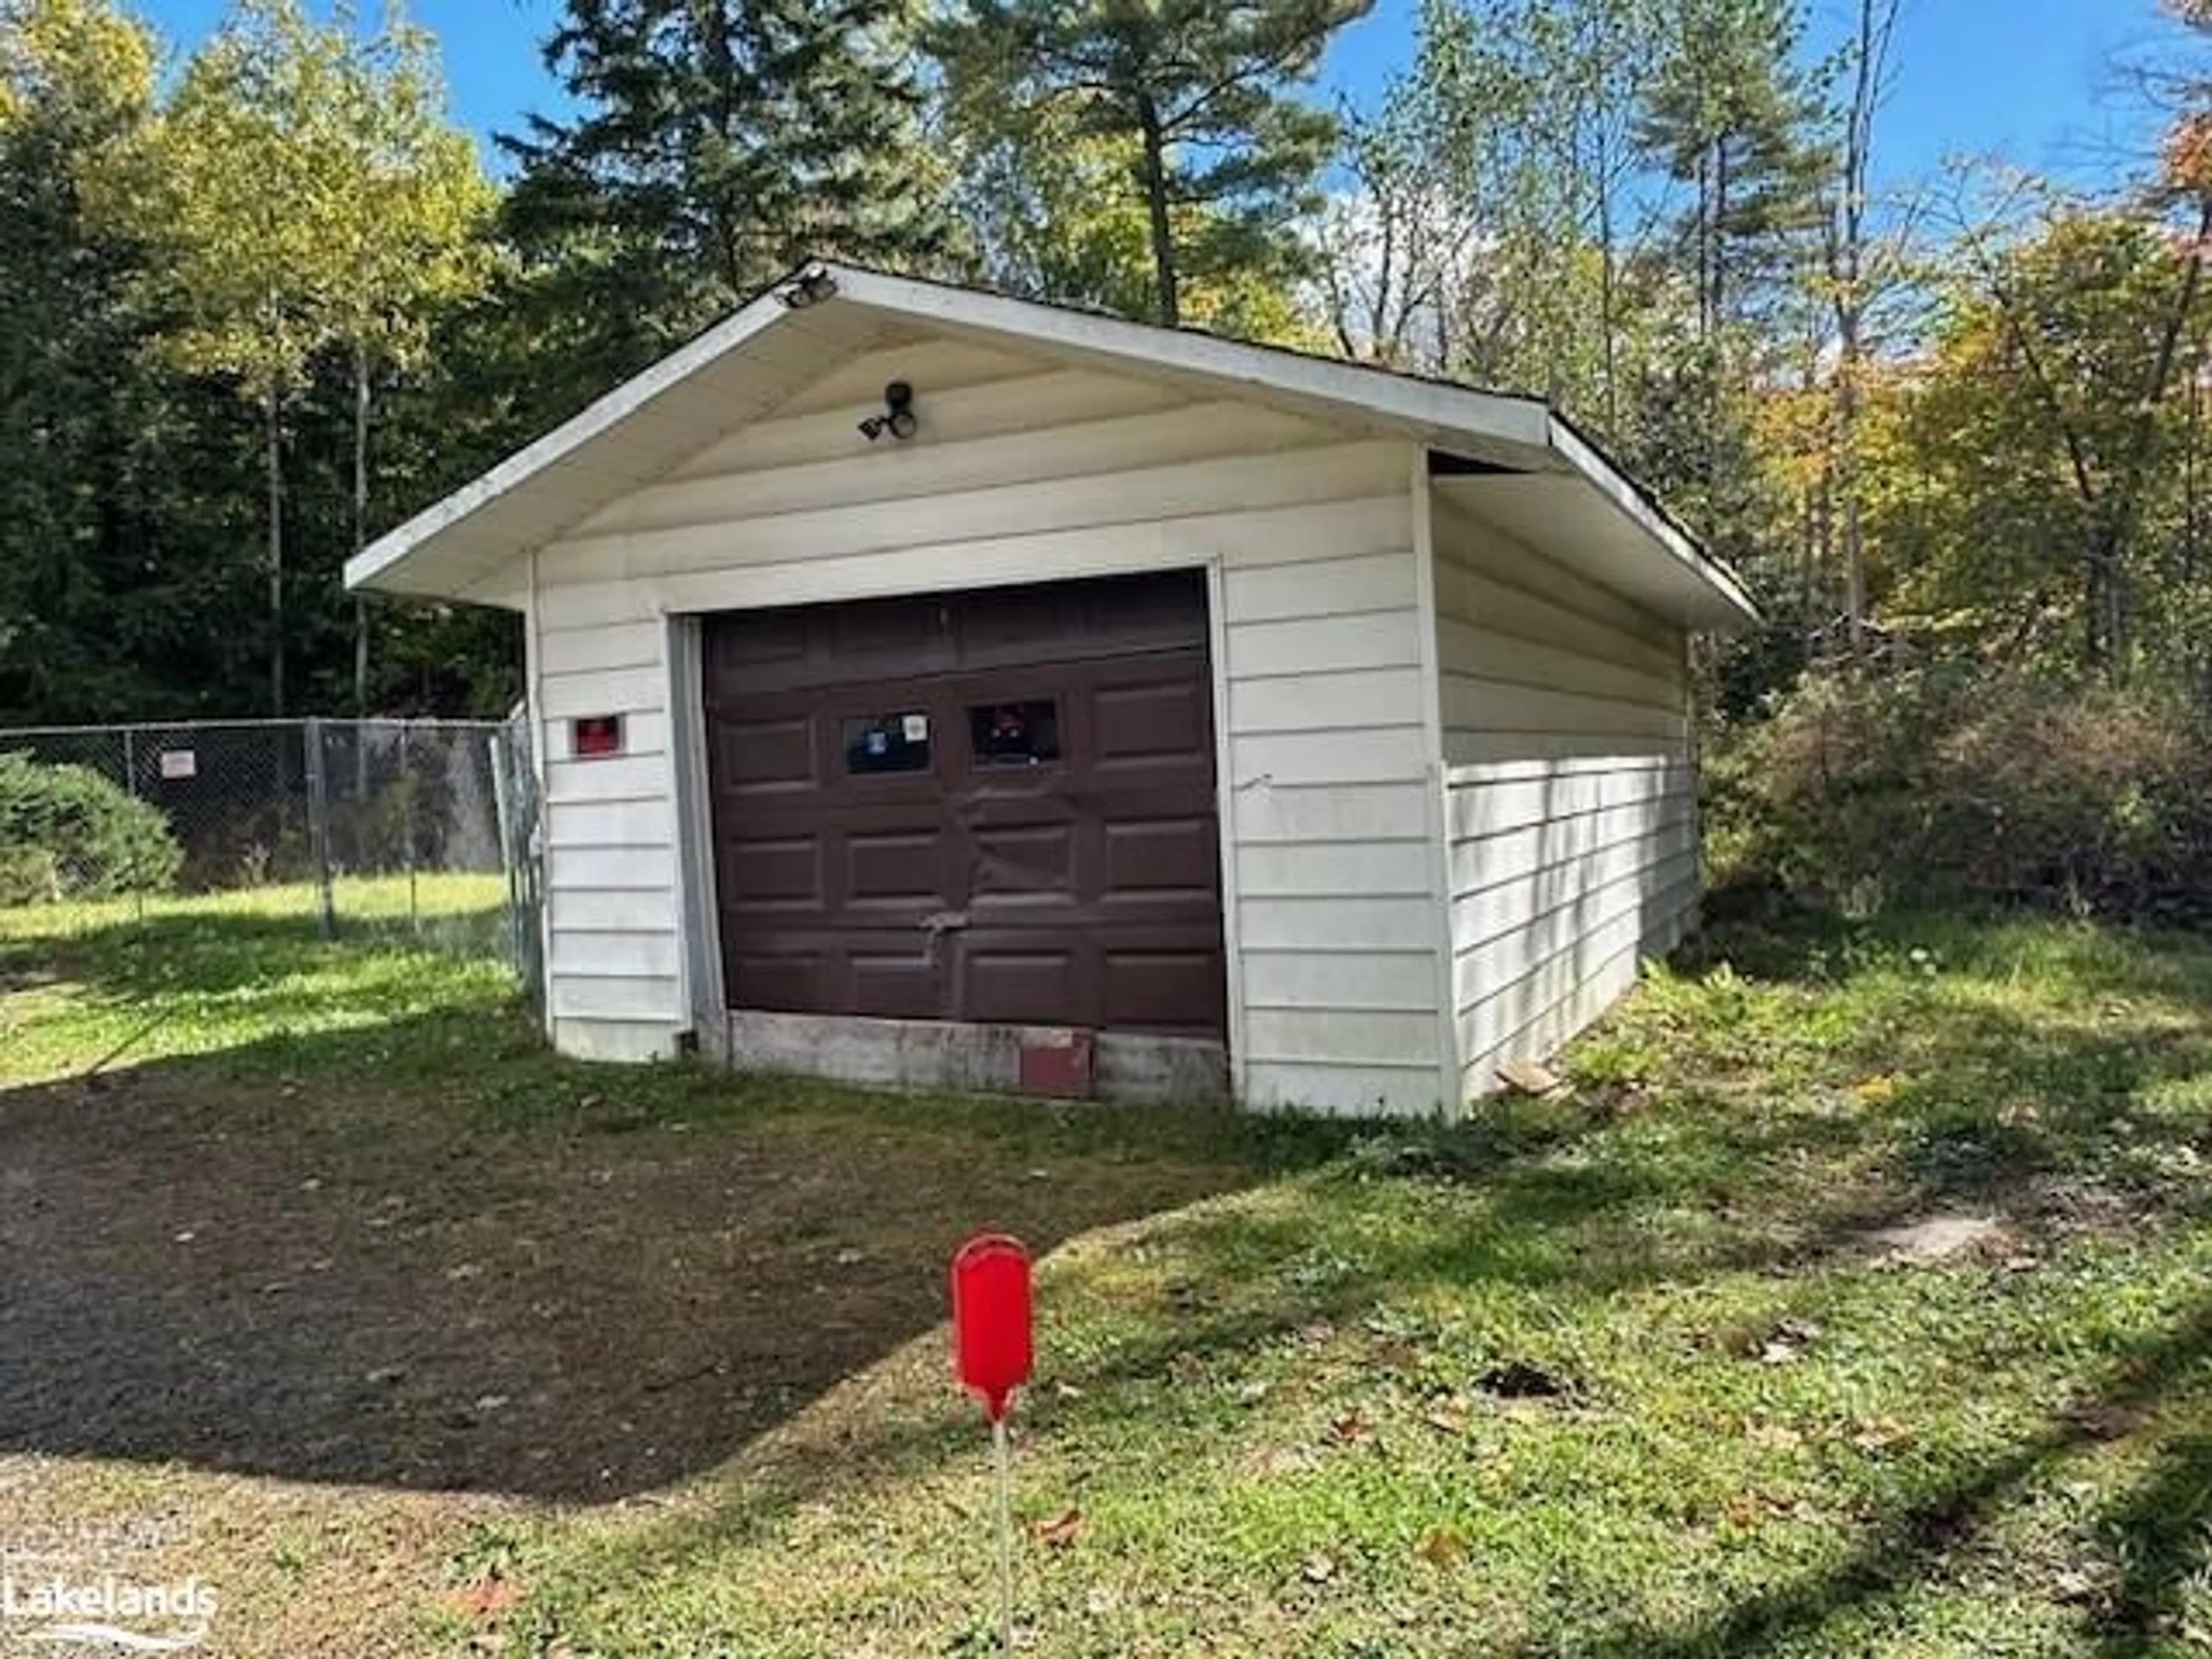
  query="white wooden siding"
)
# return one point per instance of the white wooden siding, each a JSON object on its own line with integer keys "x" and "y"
{"x": 1027, "y": 469}
{"x": 1570, "y": 799}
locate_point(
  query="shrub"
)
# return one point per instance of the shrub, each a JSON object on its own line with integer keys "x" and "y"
{"x": 67, "y": 832}
{"x": 1927, "y": 786}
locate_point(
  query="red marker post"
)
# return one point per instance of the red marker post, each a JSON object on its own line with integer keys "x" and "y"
{"x": 993, "y": 1348}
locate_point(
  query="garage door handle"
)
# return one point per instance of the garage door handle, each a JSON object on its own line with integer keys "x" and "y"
{"x": 936, "y": 927}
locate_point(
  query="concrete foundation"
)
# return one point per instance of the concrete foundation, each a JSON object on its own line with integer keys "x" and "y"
{"x": 913, "y": 1053}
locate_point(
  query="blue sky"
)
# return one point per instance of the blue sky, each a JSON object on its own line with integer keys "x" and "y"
{"x": 2039, "y": 82}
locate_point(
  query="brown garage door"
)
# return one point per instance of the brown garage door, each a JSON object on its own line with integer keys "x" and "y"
{"x": 994, "y": 806}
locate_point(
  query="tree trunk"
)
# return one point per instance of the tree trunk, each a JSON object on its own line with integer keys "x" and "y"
{"x": 2190, "y": 524}
{"x": 1606, "y": 283}
{"x": 1169, "y": 298}
{"x": 1847, "y": 467}
{"x": 721, "y": 54}
{"x": 1704, "y": 244}
{"x": 1720, "y": 232}
{"x": 360, "y": 413}
{"x": 1877, "y": 20}
{"x": 272, "y": 410}
{"x": 2107, "y": 593}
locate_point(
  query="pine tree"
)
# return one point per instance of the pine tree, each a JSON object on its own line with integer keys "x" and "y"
{"x": 1195, "y": 96}
{"x": 1730, "y": 115}
{"x": 719, "y": 142}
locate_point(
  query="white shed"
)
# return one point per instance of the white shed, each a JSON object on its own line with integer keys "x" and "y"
{"x": 939, "y": 688}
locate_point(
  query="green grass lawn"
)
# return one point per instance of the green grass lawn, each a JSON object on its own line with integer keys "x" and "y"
{"x": 1646, "y": 1369}
{"x": 440, "y": 910}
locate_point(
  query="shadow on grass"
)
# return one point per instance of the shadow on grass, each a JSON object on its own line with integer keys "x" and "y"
{"x": 2162, "y": 1535}
{"x": 426, "y": 1253}
{"x": 1602, "y": 1196}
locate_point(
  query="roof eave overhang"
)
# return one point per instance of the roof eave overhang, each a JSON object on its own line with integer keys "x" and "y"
{"x": 379, "y": 565}
{"x": 1732, "y": 609}
{"x": 464, "y": 546}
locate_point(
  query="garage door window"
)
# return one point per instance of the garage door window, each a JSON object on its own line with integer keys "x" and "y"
{"x": 887, "y": 742}
{"x": 1014, "y": 733}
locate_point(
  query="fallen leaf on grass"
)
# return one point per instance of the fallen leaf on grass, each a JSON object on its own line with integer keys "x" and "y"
{"x": 1058, "y": 1531}
{"x": 1878, "y": 1436}
{"x": 1447, "y": 1417}
{"x": 1789, "y": 1342}
{"x": 1442, "y": 1547}
{"x": 1528, "y": 1077}
{"x": 1349, "y": 1429}
{"x": 488, "y": 1597}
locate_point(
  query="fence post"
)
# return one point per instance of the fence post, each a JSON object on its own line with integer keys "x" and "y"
{"x": 137, "y": 877}
{"x": 407, "y": 828}
{"x": 319, "y": 825}
{"x": 502, "y": 807}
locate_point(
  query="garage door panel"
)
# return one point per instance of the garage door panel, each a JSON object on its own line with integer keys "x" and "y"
{"x": 891, "y": 631}
{"x": 1160, "y": 990}
{"x": 777, "y": 638}
{"x": 773, "y": 755}
{"x": 1165, "y": 612}
{"x": 779, "y": 873}
{"x": 895, "y": 986}
{"x": 886, "y": 866}
{"x": 1169, "y": 719}
{"x": 1008, "y": 626}
{"x": 780, "y": 984}
{"x": 1029, "y": 864}
{"x": 1030, "y": 769}
{"x": 1159, "y": 858}
{"x": 1019, "y": 984}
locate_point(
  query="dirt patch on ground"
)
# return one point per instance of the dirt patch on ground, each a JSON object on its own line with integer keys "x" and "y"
{"x": 1931, "y": 1240}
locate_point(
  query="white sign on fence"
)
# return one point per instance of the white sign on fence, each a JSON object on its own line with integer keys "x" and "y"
{"x": 177, "y": 763}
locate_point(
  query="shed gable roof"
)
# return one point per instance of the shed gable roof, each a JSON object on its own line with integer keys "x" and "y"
{"x": 1547, "y": 482}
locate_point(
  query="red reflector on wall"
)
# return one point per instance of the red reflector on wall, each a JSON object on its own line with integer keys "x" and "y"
{"x": 1061, "y": 1068}
{"x": 594, "y": 735}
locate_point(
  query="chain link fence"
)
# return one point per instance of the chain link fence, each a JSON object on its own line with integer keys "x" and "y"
{"x": 424, "y": 829}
